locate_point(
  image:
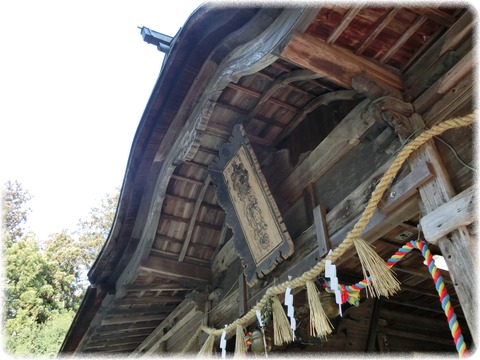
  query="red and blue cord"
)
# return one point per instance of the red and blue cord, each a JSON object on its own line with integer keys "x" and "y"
{"x": 439, "y": 285}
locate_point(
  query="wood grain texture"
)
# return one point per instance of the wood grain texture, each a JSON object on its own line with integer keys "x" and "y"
{"x": 334, "y": 63}
{"x": 459, "y": 211}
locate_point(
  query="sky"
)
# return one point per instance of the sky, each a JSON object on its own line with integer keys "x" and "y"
{"x": 75, "y": 77}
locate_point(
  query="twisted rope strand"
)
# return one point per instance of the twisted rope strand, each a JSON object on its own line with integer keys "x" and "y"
{"x": 359, "y": 226}
{"x": 439, "y": 285}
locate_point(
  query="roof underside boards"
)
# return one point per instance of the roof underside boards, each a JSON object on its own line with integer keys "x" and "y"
{"x": 170, "y": 239}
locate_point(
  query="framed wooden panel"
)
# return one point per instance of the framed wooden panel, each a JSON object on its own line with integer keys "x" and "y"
{"x": 260, "y": 236}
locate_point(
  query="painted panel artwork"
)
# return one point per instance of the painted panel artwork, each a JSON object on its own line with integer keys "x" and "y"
{"x": 260, "y": 236}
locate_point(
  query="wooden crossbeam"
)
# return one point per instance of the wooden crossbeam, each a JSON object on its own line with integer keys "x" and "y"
{"x": 349, "y": 16}
{"x": 190, "y": 308}
{"x": 340, "y": 141}
{"x": 193, "y": 218}
{"x": 459, "y": 211}
{"x": 334, "y": 63}
{"x": 122, "y": 320}
{"x": 149, "y": 300}
{"x": 174, "y": 269}
{"x": 377, "y": 29}
{"x": 403, "y": 38}
{"x": 256, "y": 93}
{"x": 282, "y": 81}
{"x": 314, "y": 104}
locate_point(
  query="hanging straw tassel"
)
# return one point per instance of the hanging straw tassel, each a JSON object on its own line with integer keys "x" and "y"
{"x": 207, "y": 348}
{"x": 320, "y": 325}
{"x": 240, "y": 347}
{"x": 383, "y": 282}
{"x": 282, "y": 332}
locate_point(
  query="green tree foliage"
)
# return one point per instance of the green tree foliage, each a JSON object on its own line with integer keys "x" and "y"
{"x": 14, "y": 211}
{"x": 95, "y": 228}
{"x": 43, "y": 285}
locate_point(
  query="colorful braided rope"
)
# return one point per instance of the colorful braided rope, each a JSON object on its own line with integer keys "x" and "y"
{"x": 439, "y": 285}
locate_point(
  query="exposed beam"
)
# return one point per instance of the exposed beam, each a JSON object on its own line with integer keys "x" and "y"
{"x": 193, "y": 218}
{"x": 256, "y": 93}
{"x": 157, "y": 287}
{"x": 190, "y": 307}
{"x": 187, "y": 221}
{"x": 416, "y": 305}
{"x": 377, "y": 29}
{"x": 434, "y": 14}
{"x": 123, "y": 320}
{"x": 403, "y": 39}
{"x": 461, "y": 69}
{"x": 453, "y": 37}
{"x": 349, "y": 16}
{"x": 246, "y": 113}
{"x": 174, "y": 269}
{"x": 334, "y": 63}
{"x": 459, "y": 211}
{"x": 186, "y": 179}
{"x": 343, "y": 138}
{"x": 417, "y": 337}
{"x": 152, "y": 300}
{"x": 314, "y": 104}
{"x": 282, "y": 81}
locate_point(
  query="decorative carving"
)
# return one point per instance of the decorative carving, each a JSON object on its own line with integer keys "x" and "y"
{"x": 260, "y": 236}
{"x": 395, "y": 112}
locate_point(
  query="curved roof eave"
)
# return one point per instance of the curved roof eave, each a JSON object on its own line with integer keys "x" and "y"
{"x": 203, "y": 30}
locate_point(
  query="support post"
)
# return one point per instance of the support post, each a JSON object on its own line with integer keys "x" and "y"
{"x": 458, "y": 247}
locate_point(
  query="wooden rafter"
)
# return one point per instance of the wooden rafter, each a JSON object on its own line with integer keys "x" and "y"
{"x": 193, "y": 218}
{"x": 155, "y": 287}
{"x": 174, "y": 269}
{"x": 349, "y": 16}
{"x": 336, "y": 64}
{"x": 282, "y": 81}
{"x": 256, "y": 93}
{"x": 321, "y": 100}
{"x": 248, "y": 114}
{"x": 187, "y": 221}
{"x": 326, "y": 154}
{"x": 434, "y": 14}
{"x": 403, "y": 39}
{"x": 377, "y": 29}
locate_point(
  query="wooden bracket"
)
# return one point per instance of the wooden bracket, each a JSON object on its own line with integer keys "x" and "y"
{"x": 323, "y": 239}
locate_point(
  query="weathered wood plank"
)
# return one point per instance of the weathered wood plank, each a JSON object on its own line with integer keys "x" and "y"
{"x": 334, "y": 63}
{"x": 314, "y": 104}
{"x": 224, "y": 258}
{"x": 458, "y": 248}
{"x": 461, "y": 69}
{"x": 377, "y": 29}
{"x": 174, "y": 269}
{"x": 335, "y": 34}
{"x": 175, "y": 320}
{"x": 342, "y": 139}
{"x": 403, "y": 39}
{"x": 459, "y": 211}
{"x": 456, "y": 102}
{"x": 124, "y": 320}
{"x": 406, "y": 188}
{"x": 449, "y": 41}
{"x": 157, "y": 300}
{"x": 193, "y": 218}
{"x": 320, "y": 222}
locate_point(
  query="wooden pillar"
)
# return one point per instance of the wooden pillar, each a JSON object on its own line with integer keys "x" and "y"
{"x": 457, "y": 247}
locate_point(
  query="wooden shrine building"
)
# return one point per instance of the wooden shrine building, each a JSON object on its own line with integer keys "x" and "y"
{"x": 262, "y": 142}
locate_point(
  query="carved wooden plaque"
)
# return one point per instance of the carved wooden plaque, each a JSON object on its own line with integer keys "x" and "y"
{"x": 259, "y": 234}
